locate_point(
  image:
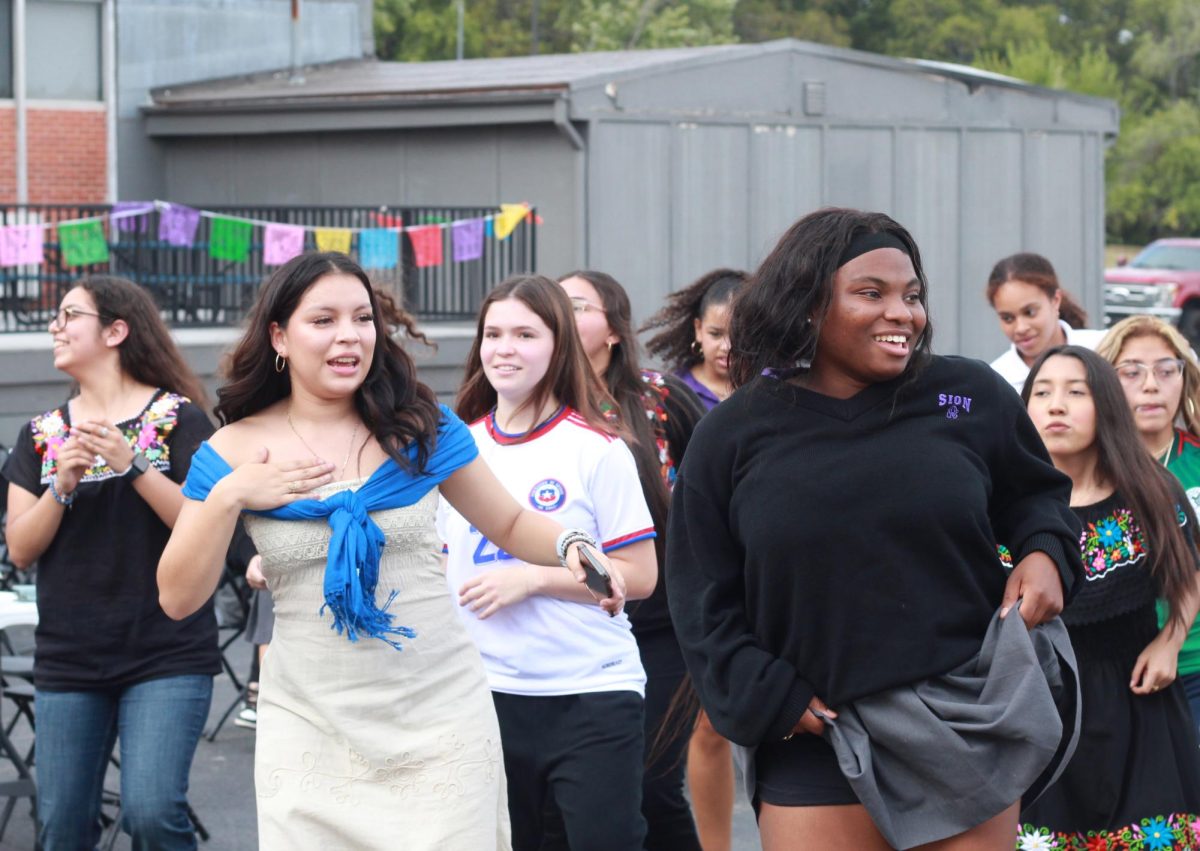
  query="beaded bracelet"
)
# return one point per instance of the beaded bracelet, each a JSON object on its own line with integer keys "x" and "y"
{"x": 59, "y": 498}
{"x": 572, "y": 536}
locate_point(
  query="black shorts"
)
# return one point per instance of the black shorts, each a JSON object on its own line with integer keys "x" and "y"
{"x": 800, "y": 772}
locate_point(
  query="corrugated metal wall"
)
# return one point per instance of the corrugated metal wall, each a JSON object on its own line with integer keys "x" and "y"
{"x": 669, "y": 201}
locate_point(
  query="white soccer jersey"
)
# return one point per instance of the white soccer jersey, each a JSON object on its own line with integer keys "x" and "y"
{"x": 584, "y": 479}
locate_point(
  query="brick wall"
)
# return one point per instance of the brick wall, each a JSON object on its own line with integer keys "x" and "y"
{"x": 67, "y": 155}
{"x": 8, "y": 154}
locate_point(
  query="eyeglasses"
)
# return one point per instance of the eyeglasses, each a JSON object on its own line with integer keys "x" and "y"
{"x": 582, "y": 305}
{"x": 1134, "y": 372}
{"x": 66, "y": 314}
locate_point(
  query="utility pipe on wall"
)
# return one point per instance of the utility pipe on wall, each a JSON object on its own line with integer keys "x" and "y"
{"x": 108, "y": 63}
{"x": 294, "y": 76}
{"x": 19, "y": 104}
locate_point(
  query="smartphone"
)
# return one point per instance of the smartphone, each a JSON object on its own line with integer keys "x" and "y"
{"x": 598, "y": 579}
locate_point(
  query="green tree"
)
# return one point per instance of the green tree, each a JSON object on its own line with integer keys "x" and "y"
{"x": 628, "y": 24}
{"x": 1091, "y": 73}
{"x": 1154, "y": 175}
{"x": 1168, "y": 49}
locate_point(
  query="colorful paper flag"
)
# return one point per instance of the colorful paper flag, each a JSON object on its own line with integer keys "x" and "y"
{"x": 427, "y": 245}
{"x": 378, "y": 248}
{"x": 83, "y": 243}
{"x": 333, "y": 239}
{"x": 20, "y": 244}
{"x": 132, "y": 216}
{"x": 468, "y": 240}
{"x": 281, "y": 243}
{"x": 177, "y": 225}
{"x": 510, "y": 216}
{"x": 229, "y": 239}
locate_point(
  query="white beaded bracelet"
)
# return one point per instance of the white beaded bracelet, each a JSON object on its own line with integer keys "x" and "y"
{"x": 572, "y": 536}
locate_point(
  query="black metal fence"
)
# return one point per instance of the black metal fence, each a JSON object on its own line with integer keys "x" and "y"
{"x": 193, "y": 289}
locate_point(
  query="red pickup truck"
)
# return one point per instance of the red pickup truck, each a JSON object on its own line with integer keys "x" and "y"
{"x": 1163, "y": 280}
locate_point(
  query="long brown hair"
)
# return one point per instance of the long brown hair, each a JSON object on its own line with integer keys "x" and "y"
{"x": 1037, "y": 271}
{"x": 1152, "y": 493}
{"x": 623, "y": 380}
{"x": 395, "y": 407}
{"x": 569, "y": 377}
{"x": 148, "y": 354}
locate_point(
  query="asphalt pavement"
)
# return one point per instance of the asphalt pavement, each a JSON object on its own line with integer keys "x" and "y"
{"x": 222, "y": 782}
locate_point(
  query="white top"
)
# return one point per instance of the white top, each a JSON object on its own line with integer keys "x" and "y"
{"x": 584, "y": 479}
{"x": 1015, "y": 370}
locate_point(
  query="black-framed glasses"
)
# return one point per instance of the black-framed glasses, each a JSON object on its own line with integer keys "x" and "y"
{"x": 582, "y": 305}
{"x": 1165, "y": 370}
{"x": 66, "y": 314}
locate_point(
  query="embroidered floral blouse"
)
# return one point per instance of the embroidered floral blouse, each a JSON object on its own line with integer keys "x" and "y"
{"x": 100, "y": 625}
{"x": 1116, "y": 567}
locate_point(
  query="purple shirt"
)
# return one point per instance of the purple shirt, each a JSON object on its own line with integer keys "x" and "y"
{"x": 708, "y": 397}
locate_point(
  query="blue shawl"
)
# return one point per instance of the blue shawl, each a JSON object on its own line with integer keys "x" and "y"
{"x": 356, "y": 543}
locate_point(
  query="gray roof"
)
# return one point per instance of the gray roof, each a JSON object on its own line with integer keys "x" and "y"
{"x": 369, "y": 79}
{"x": 363, "y": 82}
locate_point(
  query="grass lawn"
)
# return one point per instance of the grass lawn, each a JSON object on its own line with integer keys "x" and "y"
{"x": 1112, "y": 252}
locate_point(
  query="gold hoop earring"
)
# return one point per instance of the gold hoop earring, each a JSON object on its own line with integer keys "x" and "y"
{"x": 280, "y": 362}
{"x": 1191, "y": 408}
{"x": 696, "y": 350}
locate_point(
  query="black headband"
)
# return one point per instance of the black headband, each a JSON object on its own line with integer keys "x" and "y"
{"x": 867, "y": 241}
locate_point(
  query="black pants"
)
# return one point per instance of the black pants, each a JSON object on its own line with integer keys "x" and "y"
{"x": 669, "y": 822}
{"x": 584, "y": 753}
{"x": 670, "y": 826}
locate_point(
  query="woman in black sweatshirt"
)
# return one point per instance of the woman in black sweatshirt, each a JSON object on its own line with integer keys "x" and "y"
{"x": 833, "y": 530}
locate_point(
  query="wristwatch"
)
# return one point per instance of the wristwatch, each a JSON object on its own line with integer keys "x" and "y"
{"x": 137, "y": 466}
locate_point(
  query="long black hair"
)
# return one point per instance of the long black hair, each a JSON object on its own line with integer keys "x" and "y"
{"x": 1122, "y": 461}
{"x": 398, "y": 409}
{"x": 771, "y": 326}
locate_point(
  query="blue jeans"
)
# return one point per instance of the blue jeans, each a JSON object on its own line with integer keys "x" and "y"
{"x": 159, "y": 723}
{"x": 1191, "y": 687}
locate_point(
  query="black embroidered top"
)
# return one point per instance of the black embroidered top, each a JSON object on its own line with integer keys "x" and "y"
{"x": 99, "y": 622}
{"x": 1117, "y": 576}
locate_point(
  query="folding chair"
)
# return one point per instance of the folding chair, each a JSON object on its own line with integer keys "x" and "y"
{"x": 23, "y": 786}
{"x": 234, "y": 630}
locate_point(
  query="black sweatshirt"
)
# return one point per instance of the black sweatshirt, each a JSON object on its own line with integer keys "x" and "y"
{"x": 844, "y": 547}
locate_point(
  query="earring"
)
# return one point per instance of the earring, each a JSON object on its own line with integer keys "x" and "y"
{"x": 610, "y": 345}
{"x": 280, "y": 362}
{"x": 1191, "y": 408}
{"x": 696, "y": 350}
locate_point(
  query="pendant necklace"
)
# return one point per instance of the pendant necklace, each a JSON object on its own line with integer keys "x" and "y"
{"x": 349, "y": 449}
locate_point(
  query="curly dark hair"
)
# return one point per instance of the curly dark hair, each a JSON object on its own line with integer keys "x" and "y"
{"x": 398, "y": 409}
{"x": 771, "y": 327}
{"x": 673, "y": 345}
{"x": 148, "y": 354}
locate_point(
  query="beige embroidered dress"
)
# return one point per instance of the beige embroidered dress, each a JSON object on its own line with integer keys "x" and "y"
{"x": 361, "y": 746}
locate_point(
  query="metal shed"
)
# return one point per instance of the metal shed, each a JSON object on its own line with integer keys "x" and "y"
{"x": 658, "y": 165}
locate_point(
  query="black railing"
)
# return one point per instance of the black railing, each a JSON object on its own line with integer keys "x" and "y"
{"x": 194, "y": 289}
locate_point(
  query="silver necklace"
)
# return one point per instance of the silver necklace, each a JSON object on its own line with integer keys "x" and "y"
{"x": 349, "y": 449}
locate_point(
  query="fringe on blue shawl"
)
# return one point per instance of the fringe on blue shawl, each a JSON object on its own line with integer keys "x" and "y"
{"x": 356, "y": 542}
